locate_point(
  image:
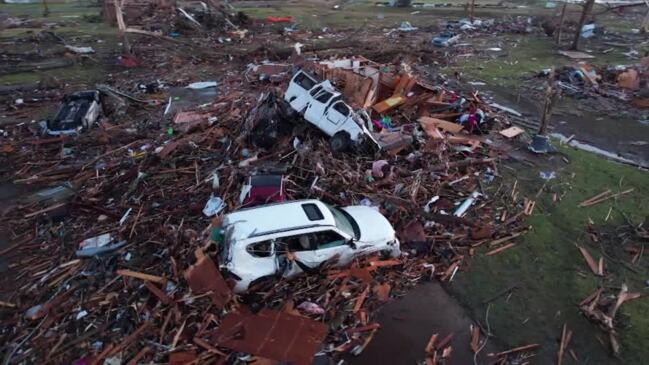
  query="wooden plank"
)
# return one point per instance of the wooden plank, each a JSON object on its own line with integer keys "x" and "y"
{"x": 512, "y": 132}
{"x": 500, "y": 249}
{"x": 142, "y": 276}
{"x": 389, "y": 103}
{"x": 428, "y": 122}
{"x": 589, "y": 260}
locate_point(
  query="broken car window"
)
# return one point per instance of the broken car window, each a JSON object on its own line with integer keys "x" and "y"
{"x": 303, "y": 242}
{"x": 328, "y": 239}
{"x": 324, "y": 97}
{"x": 315, "y": 91}
{"x": 305, "y": 81}
{"x": 260, "y": 249}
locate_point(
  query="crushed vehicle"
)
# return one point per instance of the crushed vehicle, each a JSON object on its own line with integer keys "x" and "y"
{"x": 78, "y": 111}
{"x": 262, "y": 189}
{"x": 286, "y": 239}
{"x": 445, "y": 39}
{"x": 320, "y": 104}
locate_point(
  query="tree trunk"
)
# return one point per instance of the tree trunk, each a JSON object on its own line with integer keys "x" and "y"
{"x": 563, "y": 16}
{"x": 584, "y": 15}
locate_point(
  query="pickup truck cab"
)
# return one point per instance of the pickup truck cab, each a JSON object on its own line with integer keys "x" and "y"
{"x": 286, "y": 239}
{"x": 321, "y": 105}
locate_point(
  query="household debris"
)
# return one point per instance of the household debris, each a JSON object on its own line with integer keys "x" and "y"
{"x": 146, "y": 276}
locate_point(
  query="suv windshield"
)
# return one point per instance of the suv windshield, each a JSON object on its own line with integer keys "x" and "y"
{"x": 345, "y": 222}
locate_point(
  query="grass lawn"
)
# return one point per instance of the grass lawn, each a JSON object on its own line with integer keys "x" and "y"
{"x": 551, "y": 274}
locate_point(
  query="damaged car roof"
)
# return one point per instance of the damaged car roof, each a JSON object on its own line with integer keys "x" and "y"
{"x": 279, "y": 217}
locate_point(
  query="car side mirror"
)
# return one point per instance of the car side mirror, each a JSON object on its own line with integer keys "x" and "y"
{"x": 352, "y": 244}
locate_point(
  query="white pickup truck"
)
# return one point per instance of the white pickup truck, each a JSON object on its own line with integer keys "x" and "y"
{"x": 321, "y": 104}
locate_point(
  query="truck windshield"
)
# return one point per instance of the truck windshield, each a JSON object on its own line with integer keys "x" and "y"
{"x": 345, "y": 222}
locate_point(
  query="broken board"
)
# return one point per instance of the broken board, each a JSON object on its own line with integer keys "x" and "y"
{"x": 428, "y": 122}
{"x": 576, "y": 55}
{"x": 511, "y": 132}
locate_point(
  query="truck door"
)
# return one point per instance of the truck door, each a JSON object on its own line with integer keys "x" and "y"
{"x": 336, "y": 115}
{"x": 316, "y": 109}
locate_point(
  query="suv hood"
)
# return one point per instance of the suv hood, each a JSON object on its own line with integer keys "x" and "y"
{"x": 373, "y": 225}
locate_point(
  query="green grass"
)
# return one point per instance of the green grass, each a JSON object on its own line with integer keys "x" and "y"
{"x": 524, "y": 56}
{"x": 552, "y": 275}
{"x": 366, "y": 14}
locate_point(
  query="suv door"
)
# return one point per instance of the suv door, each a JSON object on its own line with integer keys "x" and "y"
{"x": 258, "y": 261}
{"x": 327, "y": 244}
{"x": 316, "y": 109}
{"x": 336, "y": 114}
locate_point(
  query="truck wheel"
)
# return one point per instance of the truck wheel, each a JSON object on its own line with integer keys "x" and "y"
{"x": 340, "y": 142}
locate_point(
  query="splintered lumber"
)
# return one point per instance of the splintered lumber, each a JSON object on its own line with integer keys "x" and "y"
{"x": 7, "y": 304}
{"x": 164, "y": 298}
{"x": 142, "y": 276}
{"x": 566, "y": 334}
{"x": 430, "y": 346}
{"x": 603, "y": 197}
{"x": 516, "y": 349}
{"x": 594, "y": 267}
{"x": 428, "y": 122}
{"x": 475, "y": 339}
{"x": 500, "y": 249}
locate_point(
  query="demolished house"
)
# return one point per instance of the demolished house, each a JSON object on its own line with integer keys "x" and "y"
{"x": 127, "y": 250}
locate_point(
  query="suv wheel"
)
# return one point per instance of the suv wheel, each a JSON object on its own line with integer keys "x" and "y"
{"x": 340, "y": 142}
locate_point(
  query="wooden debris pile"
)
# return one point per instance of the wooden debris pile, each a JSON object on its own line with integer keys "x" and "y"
{"x": 136, "y": 189}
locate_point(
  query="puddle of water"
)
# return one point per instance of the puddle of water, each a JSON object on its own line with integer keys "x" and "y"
{"x": 598, "y": 151}
{"x": 408, "y": 323}
{"x": 613, "y": 137}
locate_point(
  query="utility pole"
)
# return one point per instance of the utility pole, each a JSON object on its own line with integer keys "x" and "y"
{"x": 645, "y": 21}
{"x": 46, "y": 9}
{"x": 471, "y": 9}
{"x": 541, "y": 142}
{"x": 563, "y": 16}
{"x": 588, "y": 7}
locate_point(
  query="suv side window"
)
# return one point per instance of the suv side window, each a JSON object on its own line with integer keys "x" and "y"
{"x": 324, "y": 97}
{"x": 302, "y": 242}
{"x": 310, "y": 241}
{"x": 315, "y": 91}
{"x": 328, "y": 239}
{"x": 341, "y": 108}
{"x": 260, "y": 249}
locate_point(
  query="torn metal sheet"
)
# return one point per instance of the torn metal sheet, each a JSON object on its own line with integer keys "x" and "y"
{"x": 204, "y": 277}
{"x": 272, "y": 334}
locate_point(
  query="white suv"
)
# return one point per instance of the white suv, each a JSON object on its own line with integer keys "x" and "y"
{"x": 258, "y": 240}
{"x": 322, "y": 105}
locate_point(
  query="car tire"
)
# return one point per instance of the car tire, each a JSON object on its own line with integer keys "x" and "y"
{"x": 262, "y": 283}
{"x": 340, "y": 142}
